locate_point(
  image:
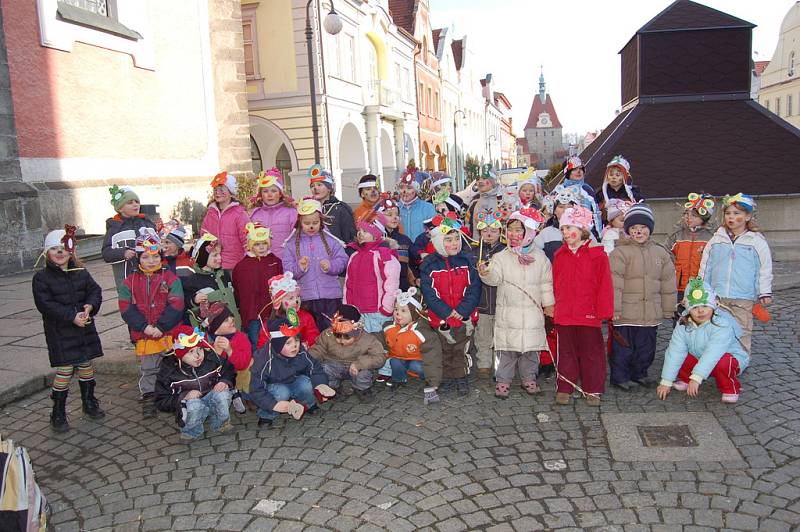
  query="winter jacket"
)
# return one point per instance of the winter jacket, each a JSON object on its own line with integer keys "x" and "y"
{"x": 273, "y": 368}
{"x": 373, "y": 277}
{"x": 364, "y": 208}
{"x": 176, "y": 379}
{"x": 339, "y": 218}
{"x": 222, "y": 290}
{"x": 415, "y": 251}
{"x": 121, "y": 234}
{"x": 450, "y": 283}
{"x": 522, "y": 291}
{"x": 280, "y": 219}
{"x": 403, "y": 245}
{"x": 60, "y": 295}
{"x": 228, "y": 227}
{"x": 365, "y": 353}
{"x": 151, "y": 299}
{"x": 707, "y": 342}
{"x": 644, "y": 283}
{"x": 413, "y": 215}
{"x": 488, "y": 302}
{"x": 415, "y": 341}
{"x": 251, "y": 286}
{"x": 549, "y": 240}
{"x": 582, "y": 286}
{"x": 621, "y": 194}
{"x": 181, "y": 265}
{"x": 738, "y": 269}
{"x": 241, "y": 351}
{"x": 308, "y": 330}
{"x": 686, "y": 246}
{"x": 314, "y": 283}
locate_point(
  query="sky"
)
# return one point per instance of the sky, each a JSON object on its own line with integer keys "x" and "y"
{"x": 577, "y": 43}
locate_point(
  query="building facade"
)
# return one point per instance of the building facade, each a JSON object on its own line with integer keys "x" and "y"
{"x": 779, "y": 82}
{"x": 543, "y": 130}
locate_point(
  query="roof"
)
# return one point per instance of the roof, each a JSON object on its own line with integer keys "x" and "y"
{"x": 680, "y": 147}
{"x": 523, "y": 143}
{"x": 436, "y": 34}
{"x": 688, "y": 15}
{"x": 403, "y": 13}
{"x": 499, "y": 96}
{"x": 458, "y": 52}
{"x": 537, "y": 108}
{"x": 760, "y": 66}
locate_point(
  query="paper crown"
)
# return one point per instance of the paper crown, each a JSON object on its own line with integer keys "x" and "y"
{"x": 148, "y": 242}
{"x": 256, "y": 232}
{"x": 407, "y": 298}
{"x": 317, "y": 174}
{"x": 271, "y": 178}
{"x": 386, "y": 202}
{"x": 446, "y": 223}
{"x": 212, "y": 241}
{"x": 308, "y": 206}
{"x": 702, "y": 203}
{"x": 745, "y": 202}
{"x": 577, "y": 216}
{"x": 284, "y": 331}
{"x": 185, "y": 341}
{"x": 342, "y": 325}
{"x": 622, "y": 162}
{"x": 699, "y": 294}
{"x": 530, "y": 217}
{"x": 493, "y": 219}
{"x": 413, "y": 177}
{"x": 573, "y": 163}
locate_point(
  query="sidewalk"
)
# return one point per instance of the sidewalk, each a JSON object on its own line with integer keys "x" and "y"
{"x": 24, "y": 365}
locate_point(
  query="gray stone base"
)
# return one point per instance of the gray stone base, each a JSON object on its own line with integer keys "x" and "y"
{"x": 21, "y": 228}
{"x": 625, "y": 440}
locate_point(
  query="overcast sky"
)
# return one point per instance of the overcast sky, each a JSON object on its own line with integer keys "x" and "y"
{"x": 577, "y": 42}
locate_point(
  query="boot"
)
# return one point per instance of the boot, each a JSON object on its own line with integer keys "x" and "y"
{"x": 91, "y": 405}
{"x": 148, "y": 405}
{"x": 58, "y": 418}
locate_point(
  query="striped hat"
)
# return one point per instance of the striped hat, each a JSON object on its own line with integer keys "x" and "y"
{"x": 640, "y": 214}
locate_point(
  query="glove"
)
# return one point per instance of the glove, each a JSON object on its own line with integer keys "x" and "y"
{"x": 238, "y": 402}
{"x": 323, "y": 393}
{"x": 296, "y": 410}
{"x": 181, "y": 414}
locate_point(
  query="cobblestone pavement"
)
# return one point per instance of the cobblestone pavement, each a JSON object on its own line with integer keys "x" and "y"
{"x": 468, "y": 463}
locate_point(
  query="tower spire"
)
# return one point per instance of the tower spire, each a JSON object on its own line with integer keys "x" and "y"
{"x": 542, "y": 91}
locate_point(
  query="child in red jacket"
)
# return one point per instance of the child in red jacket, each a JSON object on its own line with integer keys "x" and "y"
{"x": 251, "y": 277}
{"x": 231, "y": 345}
{"x": 285, "y": 294}
{"x": 584, "y": 298}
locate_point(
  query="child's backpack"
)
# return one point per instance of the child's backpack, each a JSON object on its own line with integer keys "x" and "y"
{"x": 22, "y": 505}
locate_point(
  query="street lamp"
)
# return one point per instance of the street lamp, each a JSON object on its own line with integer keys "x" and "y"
{"x": 333, "y": 25}
{"x": 455, "y": 144}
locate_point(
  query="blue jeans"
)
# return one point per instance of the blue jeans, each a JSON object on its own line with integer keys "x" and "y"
{"x": 253, "y": 331}
{"x": 400, "y": 367}
{"x": 214, "y": 406}
{"x": 300, "y": 390}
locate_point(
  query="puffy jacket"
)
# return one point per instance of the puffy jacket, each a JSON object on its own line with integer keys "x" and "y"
{"x": 415, "y": 341}
{"x": 60, "y": 295}
{"x": 280, "y": 219}
{"x": 373, "y": 277}
{"x": 686, "y": 246}
{"x": 176, "y": 379}
{"x": 273, "y": 368}
{"x": 450, "y": 283}
{"x": 151, "y": 299}
{"x": 413, "y": 215}
{"x": 228, "y": 227}
{"x": 241, "y": 351}
{"x": 707, "y": 342}
{"x": 181, "y": 264}
{"x": 314, "y": 283}
{"x": 644, "y": 283}
{"x": 121, "y": 234}
{"x": 339, "y": 218}
{"x": 362, "y": 210}
{"x": 365, "y": 353}
{"x": 522, "y": 291}
{"x": 251, "y": 286}
{"x": 403, "y": 246}
{"x": 738, "y": 269}
{"x": 549, "y": 240}
{"x": 488, "y": 302}
{"x": 582, "y": 286}
{"x": 222, "y": 290}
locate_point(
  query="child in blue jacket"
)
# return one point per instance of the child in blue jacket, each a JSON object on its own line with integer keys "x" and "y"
{"x": 285, "y": 378}
{"x": 705, "y": 342}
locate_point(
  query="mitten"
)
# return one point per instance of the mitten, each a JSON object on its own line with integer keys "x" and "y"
{"x": 323, "y": 393}
{"x": 181, "y": 414}
{"x": 296, "y": 410}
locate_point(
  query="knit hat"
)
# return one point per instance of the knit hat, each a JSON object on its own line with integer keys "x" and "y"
{"x": 531, "y": 220}
{"x": 271, "y": 178}
{"x": 617, "y": 207}
{"x": 203, "y": 248}
{"x": 256, "y": 233}
{"x": 61, "y": 237}
{"x": 698, "y": 293}
{"x": 577, "y": 216}
{"x": 186, "y": 339}
{"x": 640, "y": 213}
{"x": 281, "y": 286}
{"x": 308, "y": 206}
{"x": 368, "y": 181}
{"x": 571, "y": 164}
{"x": 317, "y": 174}
{"x": 174, "y": 232}
{"x": 742, "y": 201}
{"x": 373, "y": 223}
{"x": 619, "y": 162}
{"x": 280, "y": 330}
{"x": 622, "y": 163}
{"x": 121, "y": 195}
{"x": 442, "y": 226}
{"x": 224, "y": 179}
{"x": 217, "y": 313}
{"x": 347, "y": 321}
{"x": 702, "y": 204}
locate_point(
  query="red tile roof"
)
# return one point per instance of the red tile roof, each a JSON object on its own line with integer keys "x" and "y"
{"x": 688, "y": 15}
{"x": 537, "y": 107}
{"x": 760, "y": 67}
{"x": 403, "y": 13}
{"x": 458, "y": 52}
{"x": 499, "y": 97}
{"x": 523, "y": 143}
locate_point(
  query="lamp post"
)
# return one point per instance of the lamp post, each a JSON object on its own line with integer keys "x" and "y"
{"x": 333, "y": 25}
{"x": 455, "y": 144}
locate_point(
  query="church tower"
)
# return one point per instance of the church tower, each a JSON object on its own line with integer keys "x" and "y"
{"x": 543, "y": 130}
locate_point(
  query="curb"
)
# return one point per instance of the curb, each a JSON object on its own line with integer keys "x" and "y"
{"x": 26, "y": 388}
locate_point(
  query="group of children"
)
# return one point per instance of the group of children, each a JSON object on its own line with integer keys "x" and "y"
{"x": 276, "y": 313}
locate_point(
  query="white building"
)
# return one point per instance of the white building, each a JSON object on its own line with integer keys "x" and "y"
{"x": 779, "y": 83}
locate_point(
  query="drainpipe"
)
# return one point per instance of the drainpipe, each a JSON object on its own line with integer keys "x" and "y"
{"x": 417, "y": 51}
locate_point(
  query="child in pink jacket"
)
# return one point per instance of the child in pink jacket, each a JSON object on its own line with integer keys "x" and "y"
{"x": 373, "y": 272}
{"x": 274, "y": 209}
{"x": 226, "y": 219}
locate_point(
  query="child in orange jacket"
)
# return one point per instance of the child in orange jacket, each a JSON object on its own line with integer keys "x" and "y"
{"x": 689, "y": 240}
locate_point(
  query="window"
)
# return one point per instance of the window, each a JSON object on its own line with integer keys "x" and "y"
{"x": 429, "y": 102}
{"x": 97, "y": 14}
{"x": 436, "y": 106}
{"x": 788, "y": 105}
{"x": 407, "y": 87}
{"x": 766, "y": 104}
{"x": 790, "y": 70}
{"x": 421, "y": 99}
{"x": 778, "y": 106}
{"x": 349, "y": 58}
{"x": 249, "y": 48}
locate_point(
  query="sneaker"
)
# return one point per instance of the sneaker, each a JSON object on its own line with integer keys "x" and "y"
{"x": 430, "y": 396}
{"x": 562, "y": 398}
{"x": 238, "y": 403}
{"x": 382, "y": 378}
{"x": 226, "y": 427}
{"x": 593, "y": 400}
{"x": 730, "y": 397}
{"x": 680, "y": 386}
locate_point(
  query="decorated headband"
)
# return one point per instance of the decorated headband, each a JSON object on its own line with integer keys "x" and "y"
{"x": 699, "y": 294}
{"x": 445, "y": 224}
{"x": 493, "y": 219}
{"x": 270, "y": 178}
{"x": 387, "y": 202}
{"x": 308, "y": 206}
{"x": 213, "y": 242}
{"x": 702, "y": 203}
{"x": 315, "y": 173}
{"x": 280, "y": 286}
{"x": 745, "y": 202}
{"x": 341, "y": 325}
{"x": 190, "y": 341}
{"x": 407, "y": 298}
{"x": 285, "y": 331}
{"x": 256, "y": 232}
{"x": 220, "y": 180}
{"x": 148, "y": 243}
{"x": 487, "y": 172}
{"x": 368, "y": 184}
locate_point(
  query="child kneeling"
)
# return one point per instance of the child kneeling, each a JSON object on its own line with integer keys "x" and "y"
{"x": 705, "y": 342}
{"x": 285, "y": 378}
{"x": 196, "y": 385}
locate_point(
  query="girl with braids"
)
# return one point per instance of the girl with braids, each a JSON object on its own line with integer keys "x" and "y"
{"x": 316, "y": 258}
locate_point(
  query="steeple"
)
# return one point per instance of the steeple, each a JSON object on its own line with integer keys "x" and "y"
{"x": 541, "y": 83}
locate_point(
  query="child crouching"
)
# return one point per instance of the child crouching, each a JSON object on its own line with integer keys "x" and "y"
{"x": 705, "y": 342}
{"x": 285, "y": 378}
{"x": 196, "y": 385}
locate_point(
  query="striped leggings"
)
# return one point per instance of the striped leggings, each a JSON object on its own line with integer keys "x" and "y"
{"x": 64, "y": 375}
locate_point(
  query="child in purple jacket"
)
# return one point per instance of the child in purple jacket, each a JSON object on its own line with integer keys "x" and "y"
{"x": 316, "y": 258}
{"x": 274, "y": 209}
